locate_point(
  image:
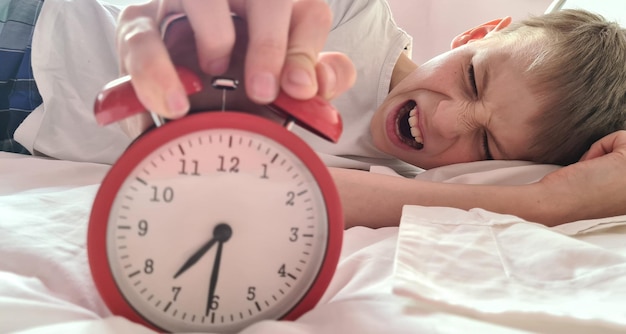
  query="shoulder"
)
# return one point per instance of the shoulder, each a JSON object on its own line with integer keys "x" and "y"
{"x": 362, "y": 10}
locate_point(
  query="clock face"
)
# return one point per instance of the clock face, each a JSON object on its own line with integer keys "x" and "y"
{"x": 214, "y": 229}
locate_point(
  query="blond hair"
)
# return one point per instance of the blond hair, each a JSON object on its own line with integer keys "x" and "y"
{"x": 579, "y": 74}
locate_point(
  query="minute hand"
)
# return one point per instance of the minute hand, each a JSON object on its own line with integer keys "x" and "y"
{"x": 214, "y": 275}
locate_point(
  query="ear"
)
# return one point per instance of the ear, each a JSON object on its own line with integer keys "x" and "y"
{"x": 480, "y": 31}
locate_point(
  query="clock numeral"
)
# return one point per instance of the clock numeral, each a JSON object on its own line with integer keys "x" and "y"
{"x": 215, "y": 303}
{"x": 193, "y": 167}
{"x": 264, "y": 175}
{"x": 166, "y": 195}
{"x": 294, "y": 234}
{"x": 251, "y": 293}
{"x": 282, "y": 271}
{"x": 291, "y": 196}
{"x": 176, "y": 291}
{"x": 148, "y": 266}
{"x": 234, "y": 164}
{"x": 142, "y": 227}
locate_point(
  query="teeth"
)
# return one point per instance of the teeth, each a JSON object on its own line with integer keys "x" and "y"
{"x": 415, "y": 131}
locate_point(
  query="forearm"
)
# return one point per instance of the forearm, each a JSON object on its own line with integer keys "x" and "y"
{"x": 376, "y": 200}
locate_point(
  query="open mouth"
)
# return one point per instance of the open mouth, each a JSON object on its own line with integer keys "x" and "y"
{"x": 407, "y": 126}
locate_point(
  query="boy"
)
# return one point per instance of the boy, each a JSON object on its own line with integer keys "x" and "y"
{"x": 502, "y": 97}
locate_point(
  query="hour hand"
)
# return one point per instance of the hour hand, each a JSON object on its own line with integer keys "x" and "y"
{"x": 196, "y": 256}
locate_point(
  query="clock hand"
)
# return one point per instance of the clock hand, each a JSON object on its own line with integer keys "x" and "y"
{"x": 214, "y": 275}
{"x": 221, "y": 233}
{"x": 196, "y": 256}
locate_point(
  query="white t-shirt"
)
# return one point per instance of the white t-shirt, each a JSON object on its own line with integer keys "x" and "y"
{"x": 74, "y": 57}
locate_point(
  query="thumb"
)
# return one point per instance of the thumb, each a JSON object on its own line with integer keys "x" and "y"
{"x": 335, "y": 74}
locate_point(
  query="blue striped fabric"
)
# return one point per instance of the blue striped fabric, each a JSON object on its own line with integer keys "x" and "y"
{"x": 18, "y": 91}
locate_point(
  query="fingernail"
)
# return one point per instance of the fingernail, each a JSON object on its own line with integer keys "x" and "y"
{"x": 177, "y": 103}
{"x": 263, "y": 87}
{"x": 299, "y": 77}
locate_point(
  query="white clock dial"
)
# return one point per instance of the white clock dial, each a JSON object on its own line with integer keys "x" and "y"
{"x": 215, "y": 230}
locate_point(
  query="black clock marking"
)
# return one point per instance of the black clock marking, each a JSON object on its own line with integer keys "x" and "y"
{"x": 167, "y": 307}
{"x": 274, "y": 158}
{"x": 123, "y": 227}
{"x": 180, "y": 147}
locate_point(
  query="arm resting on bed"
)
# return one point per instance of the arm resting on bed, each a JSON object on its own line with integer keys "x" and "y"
{"x": 376, "y": 200}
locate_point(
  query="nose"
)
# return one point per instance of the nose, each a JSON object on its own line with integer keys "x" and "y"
{"x": 451, "y": 120}
{"x": 455, "y": 131}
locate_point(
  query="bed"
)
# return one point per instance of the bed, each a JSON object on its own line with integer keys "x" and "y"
{"x": 441, "y": 270}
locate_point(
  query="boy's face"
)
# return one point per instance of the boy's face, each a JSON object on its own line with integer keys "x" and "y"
{"x": 437, "y": 116}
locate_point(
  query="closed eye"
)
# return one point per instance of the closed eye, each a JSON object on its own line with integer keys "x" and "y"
{"x": 472, "y": 79}
{"x": 486, "y": 150}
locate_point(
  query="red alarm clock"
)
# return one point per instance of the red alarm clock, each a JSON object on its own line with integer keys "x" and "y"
{"x": 222, "y": 218}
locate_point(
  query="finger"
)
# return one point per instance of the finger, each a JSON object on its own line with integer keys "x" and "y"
{"x": 144, "y": 57}
{"x": 214, "y": 31}
{"x": 310, "y": 24}
{"x": 605, "y": 145}
{"x": 268, "y": 24}
{"x": 335, "y": 74}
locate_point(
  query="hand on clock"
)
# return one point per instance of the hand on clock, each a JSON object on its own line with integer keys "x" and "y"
{"x": 221, "y": 233}
{"x": 286, "y": 39}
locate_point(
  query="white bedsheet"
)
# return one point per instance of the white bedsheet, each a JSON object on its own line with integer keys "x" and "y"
{"x": 443, "y": 270}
